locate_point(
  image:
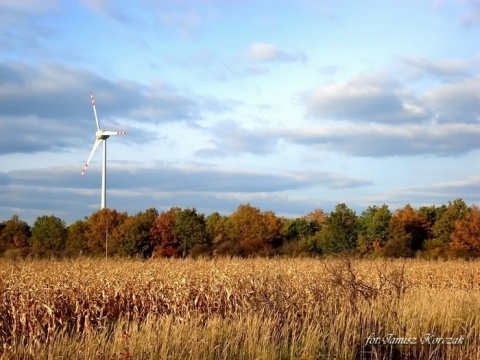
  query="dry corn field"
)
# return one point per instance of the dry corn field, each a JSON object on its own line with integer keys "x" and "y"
{"x": 239, "y": 309}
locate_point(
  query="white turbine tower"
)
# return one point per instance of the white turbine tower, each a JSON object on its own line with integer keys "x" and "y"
{"x": 101, "y": 135}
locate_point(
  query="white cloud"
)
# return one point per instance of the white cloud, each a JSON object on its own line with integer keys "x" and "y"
{"x": 376, "y": 140}
{"x": 48, "y": 106}
{"x": 472, "y": 15}
{"x": 107, "y": 8}
{"x": 457, "y": 102}
{"x": 443, "y": 69}
{"x": 268, "y": 52}
{"x": 28, "y": 6}
{"x": 374, "y": 98}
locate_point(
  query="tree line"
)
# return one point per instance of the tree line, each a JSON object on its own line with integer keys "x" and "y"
{"x": 451, "y": 230}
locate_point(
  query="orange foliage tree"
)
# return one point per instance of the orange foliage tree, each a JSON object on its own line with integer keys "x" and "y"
{"x": 408, "y": 230}
{"x": 317, "y": 215}
{"x": 100, "y": 225}
{"x": 466, "y": 236}
{"x": 253, "y": 231}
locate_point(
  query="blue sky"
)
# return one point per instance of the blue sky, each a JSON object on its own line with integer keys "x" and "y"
{"x": 287, "y": 105}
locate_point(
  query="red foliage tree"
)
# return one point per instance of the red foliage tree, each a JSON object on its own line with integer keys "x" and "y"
{"x": 162, "y": 233}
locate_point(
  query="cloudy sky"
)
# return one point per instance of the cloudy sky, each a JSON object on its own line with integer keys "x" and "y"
{"x": 287, "y": 105}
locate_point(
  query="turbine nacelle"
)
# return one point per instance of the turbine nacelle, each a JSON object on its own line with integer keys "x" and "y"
{"x": 100, "y": 135}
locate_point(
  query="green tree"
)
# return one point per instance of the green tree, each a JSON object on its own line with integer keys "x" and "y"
{"x": 445, "y": 224}
{"x": 373, "y": 228}
{"x": 339, "y": 231}
{"x": 217, "y": 228}
{"x": 77, "y": 238}
{"x": 299, "y": 229}
{"x": 134, "y": 234}
{"x": 432, "y": 213}
{"x": 190, "y": 230}
{"x": 48, "y": 233}
{"x": 296, "y": 234}
{"x": 219, "y": 231}
{"x": 15, "y": 233}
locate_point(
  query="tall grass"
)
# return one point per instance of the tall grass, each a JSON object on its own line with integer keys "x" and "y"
{"x": 238, "y": 309}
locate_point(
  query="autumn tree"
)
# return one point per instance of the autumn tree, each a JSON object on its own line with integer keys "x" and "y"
{"x": 408, "y": 229}
{"x": 162, "y": 233}
{"x": 252, "y": 231}
{"x": 103, "y": 230}
{"x": 274, "y": 225}
{"x": 339, "y": 231}
{"x": 15, "y": 233}
{"x": 373, "y": 228}
{"x": 318, "y": 216}
{"x": 134, "y": 234}
{"x": 466, "y": 236}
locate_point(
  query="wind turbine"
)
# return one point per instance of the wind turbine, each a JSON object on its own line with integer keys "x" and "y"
{"x": 101, "y": 135}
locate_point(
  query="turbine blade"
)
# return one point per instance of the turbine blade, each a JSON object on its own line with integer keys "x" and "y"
{"x": 94, "y": 110}
{"x": 95, "y": 145}
{"x": 114, "y": 133}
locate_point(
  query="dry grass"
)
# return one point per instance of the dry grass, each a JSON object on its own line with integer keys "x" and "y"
{"x": 237, "y": 309}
